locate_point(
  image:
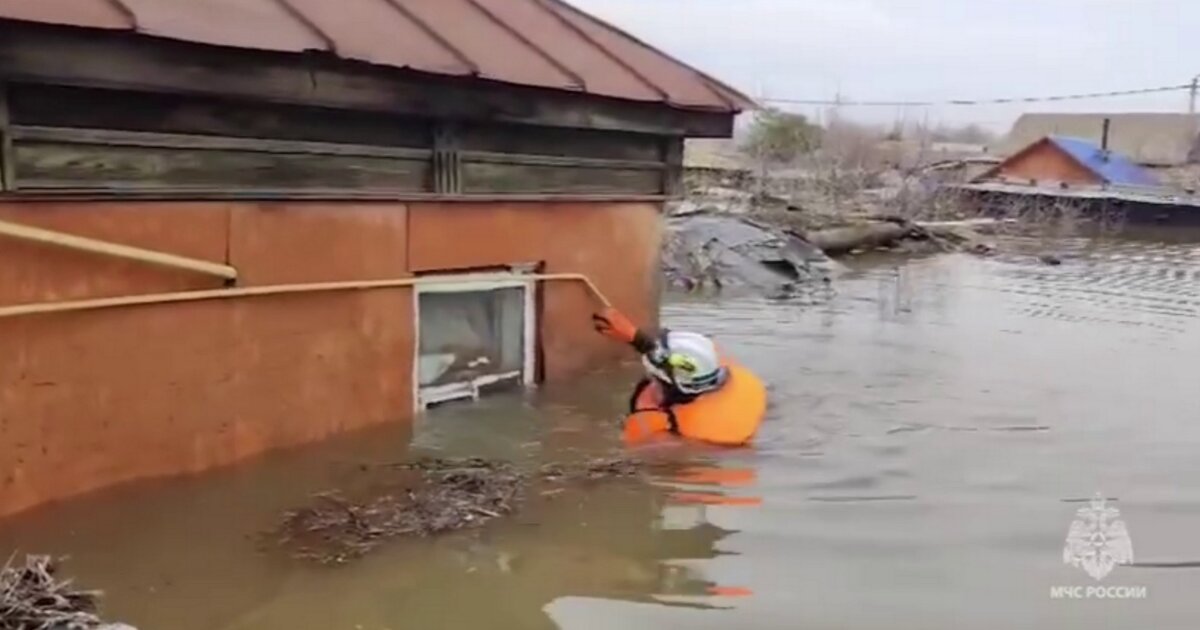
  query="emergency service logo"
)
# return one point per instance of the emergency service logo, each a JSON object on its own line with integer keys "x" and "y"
{"x": 1097, "y": 542}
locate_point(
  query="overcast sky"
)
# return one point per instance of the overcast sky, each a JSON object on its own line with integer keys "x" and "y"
{"x": 930, "y": 49}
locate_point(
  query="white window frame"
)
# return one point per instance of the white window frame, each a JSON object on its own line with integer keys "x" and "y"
{"x": 423, "y": 397}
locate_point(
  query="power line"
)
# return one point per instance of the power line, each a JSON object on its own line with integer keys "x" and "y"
{"x": 975, "y": 102}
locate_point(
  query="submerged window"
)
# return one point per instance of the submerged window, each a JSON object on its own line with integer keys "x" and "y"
{"x": 472, "y": 338}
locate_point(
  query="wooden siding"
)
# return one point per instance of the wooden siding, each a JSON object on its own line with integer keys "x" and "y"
{"x": 6, "y": 149}
{"x": 59, "y": 56}
{"x": 62, "y": 140}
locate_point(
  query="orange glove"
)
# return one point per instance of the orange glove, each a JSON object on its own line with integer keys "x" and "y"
{"x": 614, "y": 324}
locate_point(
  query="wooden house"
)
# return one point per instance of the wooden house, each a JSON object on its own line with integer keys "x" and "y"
{"x": 209, "y": 210}
{"x": 1065, "y": 162}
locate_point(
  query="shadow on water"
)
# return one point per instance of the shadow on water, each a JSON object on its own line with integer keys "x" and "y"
{"x": 934, "y": 423}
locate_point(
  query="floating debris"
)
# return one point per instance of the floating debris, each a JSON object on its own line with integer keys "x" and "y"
{"x": 718, "y": 252}
{"x": 32, "y": 597}
{"x": 595, "y": 469}
{"x": 446, "y": 495}
{"x": 433, "y": 496}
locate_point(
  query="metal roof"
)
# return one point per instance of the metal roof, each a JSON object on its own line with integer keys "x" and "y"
{"x": 1109, "y": 166}
{"x": 539, "y": 43}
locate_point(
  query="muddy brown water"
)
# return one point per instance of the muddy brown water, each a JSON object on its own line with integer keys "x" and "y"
{"x": 935, "y": 424}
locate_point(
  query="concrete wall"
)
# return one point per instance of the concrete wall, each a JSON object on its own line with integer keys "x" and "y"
{"x": 1046, "y": 164}
{"x": 90, "y": 399}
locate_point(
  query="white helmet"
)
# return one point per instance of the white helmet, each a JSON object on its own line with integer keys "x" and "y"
{"x": 688, "y": 361}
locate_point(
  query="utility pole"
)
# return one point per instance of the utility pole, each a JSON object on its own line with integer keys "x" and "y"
{"x": 1195, "y": 89}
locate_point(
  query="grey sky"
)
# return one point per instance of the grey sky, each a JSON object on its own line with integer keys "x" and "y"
{"x": 930, "y": 49}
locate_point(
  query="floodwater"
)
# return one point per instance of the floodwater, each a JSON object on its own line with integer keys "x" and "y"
{"x": 936, "y": 423}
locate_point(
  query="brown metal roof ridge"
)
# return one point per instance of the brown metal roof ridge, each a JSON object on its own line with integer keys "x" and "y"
{"x": 287, "y": 6}
{"x": 620, "y": 61}
{"x": 727, "y": 94}
{"x": 710, "y": 83}
{"x": 547, "y": 44}
{"x": 571, "y": 74}
{"x": 124, "y": 10}
{"x": 436, "y": 36}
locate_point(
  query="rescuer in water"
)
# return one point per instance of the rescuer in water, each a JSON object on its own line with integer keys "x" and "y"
{"x": 680, "y": 366}
{"x": 691, "y": 390}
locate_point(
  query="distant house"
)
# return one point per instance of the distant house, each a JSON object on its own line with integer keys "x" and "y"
{"x": 1059, "y": 160}
{"x": 1149, "y": 139}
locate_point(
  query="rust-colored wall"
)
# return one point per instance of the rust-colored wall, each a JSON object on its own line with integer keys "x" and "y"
{"x": 31, "y": 272}
{"x": 615, "y": 244}
{"x": 89, "y": 399}
{"x": 280, "y": 243}
{"x": 1045, "y": 163}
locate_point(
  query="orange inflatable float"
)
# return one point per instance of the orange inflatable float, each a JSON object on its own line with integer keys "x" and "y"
{"x": 729, "y": 416}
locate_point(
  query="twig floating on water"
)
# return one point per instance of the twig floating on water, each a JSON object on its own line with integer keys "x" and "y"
{"x": 448, "y": 495}
{"x": 33, "y": 598}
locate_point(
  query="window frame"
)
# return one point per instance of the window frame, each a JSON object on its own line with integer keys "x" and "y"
{"x": 427, "y": 396}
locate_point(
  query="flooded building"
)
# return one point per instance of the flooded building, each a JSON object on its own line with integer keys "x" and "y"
{"x": 1063, "y": 161}
{"x": 212, "y": 214}
{"x": 1058, "y": 173}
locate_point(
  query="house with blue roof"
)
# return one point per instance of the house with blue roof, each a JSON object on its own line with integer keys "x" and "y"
{"x": 1062, "y": 161}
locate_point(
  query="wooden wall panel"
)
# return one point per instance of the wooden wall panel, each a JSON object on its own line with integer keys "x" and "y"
{"x": 83, "y": 108}
{"x": 122, "y": 61}
{"x": 6, "y": 170}
{"x": 107, "y": 142}
{"x": 585, "y": 143}
{"x": 493, "y": 177}
{"x": 130, "y": 162}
